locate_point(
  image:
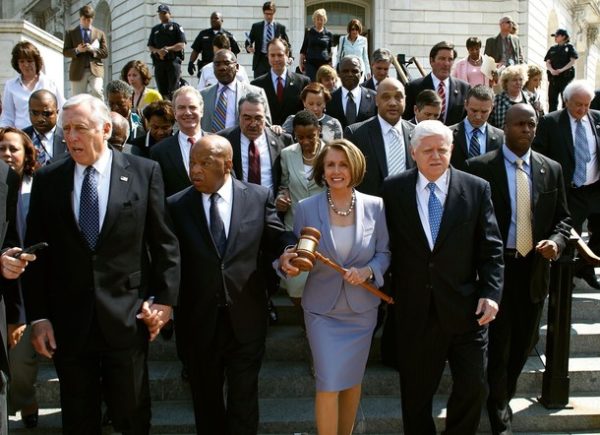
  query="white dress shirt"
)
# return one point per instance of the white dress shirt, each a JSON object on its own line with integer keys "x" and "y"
{"x": 356, "y": 94}
{"x": 103, "y": 167}
{"x": 266, "y": 176}
{"x": 224, "y": 204}
{"x": 385, "y": 130}
{"x": 436, "y": 83}
{"x": 185, "y": 147}
{"x": 591, "y": 169}
{"x": 423, "y": 192}
{"x": 15, "y": 100}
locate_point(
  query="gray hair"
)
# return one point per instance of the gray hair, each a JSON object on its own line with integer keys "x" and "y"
{"x": 352, "y": 56}
{"x": 188, "y": 90}
{"x": 579, "y": 87}
{"x": 252, "y": 98}
{"x": 430, "y": 128}
{"x": 382, "y": 55}
{"x": 99, "y": 113}
{"x": 119, "y": 87}
{"x": 119, "y": 121}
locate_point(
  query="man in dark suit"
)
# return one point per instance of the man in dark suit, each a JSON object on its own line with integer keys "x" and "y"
{"x": 107, "y": 210}
{"x": 260, "y": 35}
{"x": 351, "y": 103}
{"x": 452, "y": 91}
{"x": 380, "y": 68}
{"x": 46, "y": 136}
{"x": 428, "y": 105}
{"x": 256, "y": 148}
{"x": 446, "y": 290}
{"x": 224, "y": 226}
{"x": 571, "y": 137}
{"x": 86, "y": 46}
{"x": 505, "y": 48}
{"x": 383, "y": 139}
{"x": 158, "y": 121}
{"x": 533, "y": 235}
{"x": 281, "y": 85}
{"x": 11, "y": 307}
{"x": 473, "y": 135}
{"x": 173, "y": 153}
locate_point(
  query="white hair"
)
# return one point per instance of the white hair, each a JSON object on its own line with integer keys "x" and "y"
{"x": 100, "y": 114}
{"x": 430, "y": 128}
{"x": 579, "y": 87}
{"x": 188, "y": 90}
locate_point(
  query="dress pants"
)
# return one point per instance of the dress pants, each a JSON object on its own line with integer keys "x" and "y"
{"x": 23, "y": 373}
{"x": 89, "y": 84}
{"x": 167, "y": 74}
{"x": 421, "y": 367}
{"x": 556, "y": 86}
{"x": 226, "y": 360}
{"x": 513, "y": 334}
{"x": 98, "y": 371}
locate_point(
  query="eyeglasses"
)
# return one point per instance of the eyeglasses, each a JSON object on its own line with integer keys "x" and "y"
{"x": 44, "y": 113}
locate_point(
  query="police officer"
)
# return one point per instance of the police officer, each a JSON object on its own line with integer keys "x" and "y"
{"x": 166, "y": 45}
{"x": 204, "y": 43}
{"x": 559, "y": 64}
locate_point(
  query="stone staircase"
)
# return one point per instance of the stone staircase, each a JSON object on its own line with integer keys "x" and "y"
{"x": 287, "y": 388}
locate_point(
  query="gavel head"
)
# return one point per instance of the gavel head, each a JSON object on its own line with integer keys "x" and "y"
{"x": 306, "y": 248}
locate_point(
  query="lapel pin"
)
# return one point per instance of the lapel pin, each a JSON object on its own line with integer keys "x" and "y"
{"x": 543, "y": 171}
{"x": 124, "y": 178}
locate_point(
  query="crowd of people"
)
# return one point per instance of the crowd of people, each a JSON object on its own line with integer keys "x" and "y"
{"x": 183, "y": 208}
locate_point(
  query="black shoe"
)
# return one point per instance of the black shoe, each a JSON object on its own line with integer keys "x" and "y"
{"x": 273, "y": 316}
{"x": 588, "y": 275}
{"x": 166, "y": 332}
{"x": 30, "y": 421}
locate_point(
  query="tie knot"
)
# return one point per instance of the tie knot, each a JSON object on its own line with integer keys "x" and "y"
{"x": 350, "y": 96}
{"x": 431, "y": 187}
{"x": 224, "y": 89}
{"x": 191, "y": 140}
{"x": 519, "y": 163}
{"x": 476, "y": 132}
{"x": 441, "y": 85}
{"x": 90, "y": 170}
{"x": 214, "y": 198}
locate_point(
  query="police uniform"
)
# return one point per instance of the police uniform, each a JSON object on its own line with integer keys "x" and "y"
{"x": 203, "y": 44}
{"x": 559, "y": 56}
{"x": 168, "y": 70}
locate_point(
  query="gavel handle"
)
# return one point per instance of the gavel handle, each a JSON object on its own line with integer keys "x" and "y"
{"x": 371, "y": 288}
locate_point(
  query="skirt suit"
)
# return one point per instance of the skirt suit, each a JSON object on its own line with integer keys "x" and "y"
{"x": 340, "y": 317}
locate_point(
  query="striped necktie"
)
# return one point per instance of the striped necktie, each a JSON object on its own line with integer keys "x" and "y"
{"x": 582, "y": 154}
{"x": 220, "y": 116}
{"x": 42, "y": 156}
{"x": 436, "y": 210}
{"x": 268, "y": 36}
{"x": 441, "y": 90}
{"x": 396, "y": 158}
{"x": 474, "y": 145}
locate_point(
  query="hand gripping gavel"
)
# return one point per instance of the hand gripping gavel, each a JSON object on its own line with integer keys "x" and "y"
{"x": 308, "y": 254}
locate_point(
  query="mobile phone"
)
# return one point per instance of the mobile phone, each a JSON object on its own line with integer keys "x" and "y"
{"x": 31, "y": 249}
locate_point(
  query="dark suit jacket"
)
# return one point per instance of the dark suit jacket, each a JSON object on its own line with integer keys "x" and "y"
{"x": 168, "y": 155}
{"x": 256, "y": 38}
{"x": 137, "y": 254}
{"x": 369, "y": 84}
{"x": 366, "y": 110}
{"x": 78, "y": 61}
{"x": 367, "y": 136}
{"x": 554, "y": 139}
{"x": 255, "y": 231}
{"x": 455, "y": 111}
{"x": 294, "y": 83}
{"x": 460, "y": 152}
{"x": 59, "y": 145}
{"x": 466, "y": 263}
{"x": 551, "y": 219}
{"x": 493, "y": 47}
{"x": 276, "y": 144}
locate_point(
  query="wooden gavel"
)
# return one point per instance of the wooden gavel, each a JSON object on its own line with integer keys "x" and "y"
{"x": 306, "y": 249}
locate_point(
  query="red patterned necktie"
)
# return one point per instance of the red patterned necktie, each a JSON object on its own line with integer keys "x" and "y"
{"x": 441, "y": 90}
{"x": 279, "y": 90}
{"x": 253, "y": 163}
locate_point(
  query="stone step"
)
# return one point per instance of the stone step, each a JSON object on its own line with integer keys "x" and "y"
{"x": 280, "y": 379}
{"x": 377, "y": 415}
{"x": 288, "y": 343}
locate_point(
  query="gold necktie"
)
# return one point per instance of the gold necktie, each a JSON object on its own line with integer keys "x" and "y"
{"x": 524, "y": 230}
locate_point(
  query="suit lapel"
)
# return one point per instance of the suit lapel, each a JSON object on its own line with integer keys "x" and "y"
{"x": 407, "y": 197}
{"x": 407, "y": 136}
{"x": 365, "y": 103}
{"x": 565, "y": 127}
{"x": 238, "y": 209}
{"x": 539, "y": 173}
{"x": 64, "y": 186}
{"x": 359, "y": 229}
{"x": 327, "y": 244}
{"x": 498, "y": 170}
{"x": 273, "y": 148}
{"x": 493, "y": 140}
{"x": 236, "y": 144}
{"x": 460, "y": 141}
{"x": 296, "y": 168}
{"x": 453, "y": 94}
{"x": 120, "y": 182}
{"x": 377, "y": 145}
{"x": 453, "y": 207}
{"x": 174, "y": 153}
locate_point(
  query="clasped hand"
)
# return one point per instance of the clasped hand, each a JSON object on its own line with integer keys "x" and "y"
{"x": 155, "y": 316}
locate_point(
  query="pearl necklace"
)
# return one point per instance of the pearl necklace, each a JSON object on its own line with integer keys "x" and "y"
{"x": 341, "y": 212}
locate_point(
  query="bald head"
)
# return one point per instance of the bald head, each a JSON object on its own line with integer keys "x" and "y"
{"x": 210, "y": 163}
{"x": 390, "y": 100}
{"x": 43, "y": 110}
{"x": 519, "y": 129}
{"x": 120, "y": 130}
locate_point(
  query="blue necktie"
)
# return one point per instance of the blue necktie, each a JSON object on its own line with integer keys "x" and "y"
{"x": 474, "y": 146}
{"x": 582, "y": 154}
{"x": 86, "y": 36}
{"x": 89, "y": 213}
{"x": 435, "y": 212}
{"x": 42, "y": 156}
{"x": 220, "y": 115}
{"x": 268, "y": 36}
{"x": 217, "y": 227}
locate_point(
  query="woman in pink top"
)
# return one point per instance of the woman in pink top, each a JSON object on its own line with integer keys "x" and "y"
{"x": 469, "y": 68}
